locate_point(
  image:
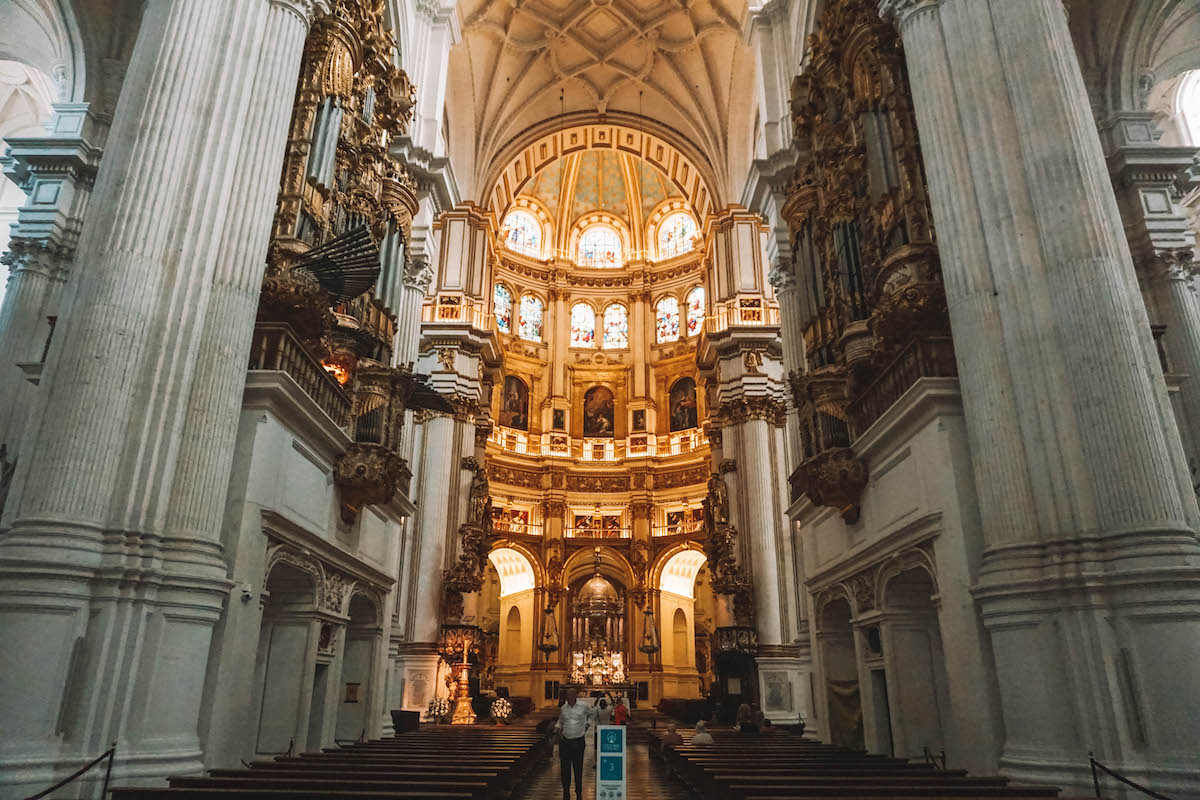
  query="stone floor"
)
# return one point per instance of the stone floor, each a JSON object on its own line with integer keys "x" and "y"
{"x": 648, "y": 780}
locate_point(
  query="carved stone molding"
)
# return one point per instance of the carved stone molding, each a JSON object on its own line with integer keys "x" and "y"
{"x": 834, "y": 478}
{"x": 470, "y": 464}
{"x": 368, "y": 474}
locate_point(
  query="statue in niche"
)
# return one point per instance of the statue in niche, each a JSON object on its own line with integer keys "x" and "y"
{"x": 682, "y": 403}
{"x": 718, "y": 500}
{"x": 479, "y": 511}
{"x": 598, "y": 412}
{"x": 514, "y": 408}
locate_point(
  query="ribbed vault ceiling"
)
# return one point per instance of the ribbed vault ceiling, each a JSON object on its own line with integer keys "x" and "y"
{"x": 681, "y": 63}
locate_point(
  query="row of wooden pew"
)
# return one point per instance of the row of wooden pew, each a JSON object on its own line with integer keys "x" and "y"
{"x": 786, "y": 767}
{"x": 435, "y": 762}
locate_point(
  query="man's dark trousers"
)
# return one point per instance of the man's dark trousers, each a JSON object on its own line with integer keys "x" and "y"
{"x": 570, "y": 757}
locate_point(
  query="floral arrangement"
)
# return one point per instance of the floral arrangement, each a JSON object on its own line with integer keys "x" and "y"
{"x": 439, "y": 707}
{"x": 502, "y": 710}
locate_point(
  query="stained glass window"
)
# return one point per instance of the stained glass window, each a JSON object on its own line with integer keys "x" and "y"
{"x": 600, "y": 246}
{"x": 667, "y": 314}
{"x": 502, "y": 307}
{"x": 616, "y": 326}
{"x": 676, "y": 235}
{"x": 583, "y": 325}
{"x": 522, "y": 233}
{"x": 695, "y": 310}
{"x": 531, "y": 318}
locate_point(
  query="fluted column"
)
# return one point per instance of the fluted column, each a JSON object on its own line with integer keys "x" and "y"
{"x": 209, "y": 436}
{"x": 434, "y": 522}
{"x": 417, "y": 278}
{"x": 1177, "y": 301}
{"x": 93, "y": 491}
{"x": 759, "y": 521}
{"x": 1078, "y": 464}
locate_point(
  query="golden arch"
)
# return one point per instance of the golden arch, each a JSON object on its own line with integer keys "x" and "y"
{"x": 681, "y": 164}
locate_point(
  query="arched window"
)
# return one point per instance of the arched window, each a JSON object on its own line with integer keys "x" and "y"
{"x": 583, "y": 326}
{"x": 676, "y": 235}
{"x": 616, "y": 326}
{"x": 502, "y": 308}
{"x": 695, "y": 310}
{"x": 522, "y": 232}
{"x": 600, "y": 246}
{"x": 667, "y": 314}
{"x": 531, "y": 318}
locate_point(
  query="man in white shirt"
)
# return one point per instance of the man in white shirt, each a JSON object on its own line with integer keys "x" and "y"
{"x": 574, "y": 719}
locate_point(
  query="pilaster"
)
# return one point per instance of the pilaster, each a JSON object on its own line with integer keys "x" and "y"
{"x": 57, "y": 173}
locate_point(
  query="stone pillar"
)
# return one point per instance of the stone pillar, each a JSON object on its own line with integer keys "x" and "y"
{"x": 57, "y": 172}
{"x": 439, "y": 470}
{"x": 411, "y": 299}
{"x": 121, "y": 652}
{"x": 557, "y": 331}
{"x": 641, "y": 337}
{"x": 210, "y": 433}
{"x": 1078, "y": 465}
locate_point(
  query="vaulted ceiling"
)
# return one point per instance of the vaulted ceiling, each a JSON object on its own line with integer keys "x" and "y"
{"x": 681, "y": 64}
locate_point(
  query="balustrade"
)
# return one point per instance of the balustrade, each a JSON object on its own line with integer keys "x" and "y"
{"x": 557, "y": 445}
{"x": 276, "y": 348}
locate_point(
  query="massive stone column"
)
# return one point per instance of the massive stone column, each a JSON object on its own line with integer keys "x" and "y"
{"x": 1089, "y": 578}
{"x": 120, "y": 650}
{"x": 210, "y": 432}
{"x": 742, "y": 359}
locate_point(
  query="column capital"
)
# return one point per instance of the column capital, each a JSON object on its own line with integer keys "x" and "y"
{"x": 781, "y": 275}
{"x": 899, "y": 12}
{"x": 307, "y": 10}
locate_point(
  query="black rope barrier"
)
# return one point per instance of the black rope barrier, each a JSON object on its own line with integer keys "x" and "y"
{"x": 108, "y": 754}
{"x": 1096, "y": 780}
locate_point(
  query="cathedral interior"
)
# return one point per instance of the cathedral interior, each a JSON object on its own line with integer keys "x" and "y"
{"x": 363, "y": 358}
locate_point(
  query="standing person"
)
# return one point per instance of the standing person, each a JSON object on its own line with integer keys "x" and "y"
{"x": 573, "y": 722}
{"x": 603, "y": 716}
{"x": 620, "y": 713}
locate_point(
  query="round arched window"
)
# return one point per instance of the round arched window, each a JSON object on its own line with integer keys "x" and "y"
{"x": 522, "y": 233}
{"x": 583, "y": 326}
{"x": 531, "y": 318}
{"x": 502, "y": 308}
{"x": 667, "y": 318}
{"x": 695, "y": 310}
{"x": 600, "y": 246}
{"x": 616, "y": 326}
{"x": 676, "y": 235}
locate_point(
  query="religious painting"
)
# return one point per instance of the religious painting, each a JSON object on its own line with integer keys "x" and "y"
{"x": 599, "y": 411}
{"x": 639, "y": 419}
{"x": 560, "y": 419}
{"x": 682, "y": 404}
{"x": 514, "y": 405}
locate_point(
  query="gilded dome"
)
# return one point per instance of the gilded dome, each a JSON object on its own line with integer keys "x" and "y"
{"x": 597, "y": 591}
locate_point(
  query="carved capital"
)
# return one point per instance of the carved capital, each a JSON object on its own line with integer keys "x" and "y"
{"x": 900, "y": 12}
{"x": 307, "y": 10}
{"x": 641, "y": 509}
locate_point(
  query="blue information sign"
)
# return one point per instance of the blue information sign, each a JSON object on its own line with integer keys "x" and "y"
{"x": 610, "y": 763}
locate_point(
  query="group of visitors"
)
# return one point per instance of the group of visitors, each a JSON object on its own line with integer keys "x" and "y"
{"x": 574, "y": 721}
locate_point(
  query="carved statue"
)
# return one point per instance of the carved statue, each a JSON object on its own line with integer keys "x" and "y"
{"x": 718, "y": 499}
{"x": 480, "y": 499}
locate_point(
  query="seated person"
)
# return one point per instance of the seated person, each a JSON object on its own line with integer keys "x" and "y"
{"x": 672, "y": 737}
{"x": 767, "y": 727}
{"x": 701, "y": 737}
